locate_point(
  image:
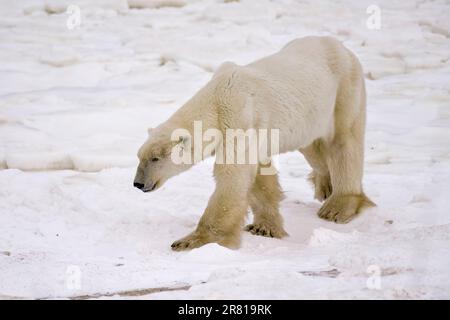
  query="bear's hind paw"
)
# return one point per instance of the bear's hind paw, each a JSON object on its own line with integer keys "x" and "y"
{"x": 342, "y": 209}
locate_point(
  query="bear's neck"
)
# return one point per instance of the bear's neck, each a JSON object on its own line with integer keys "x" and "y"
{"x": 200, "y": 108}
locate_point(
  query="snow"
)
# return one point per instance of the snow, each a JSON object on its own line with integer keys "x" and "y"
{"x": 75, "y": 105}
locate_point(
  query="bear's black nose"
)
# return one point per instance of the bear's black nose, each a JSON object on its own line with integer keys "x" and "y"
{"x": 138, "y": 185}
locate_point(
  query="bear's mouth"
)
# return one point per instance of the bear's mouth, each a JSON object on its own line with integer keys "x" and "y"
{"x": 151, "y": 188}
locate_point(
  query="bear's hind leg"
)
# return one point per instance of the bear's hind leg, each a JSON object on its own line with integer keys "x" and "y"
{"x": 345, "y": 160}
{"x": 264, "y": 198}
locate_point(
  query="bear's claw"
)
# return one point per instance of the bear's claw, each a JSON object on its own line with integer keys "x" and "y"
{"x": 261, "y": 229}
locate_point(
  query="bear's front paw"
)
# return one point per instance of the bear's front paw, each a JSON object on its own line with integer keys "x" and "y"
{"x": 197, "y": 239}
{"x": 266, "y": 230}
{"x": 189, "y": 242}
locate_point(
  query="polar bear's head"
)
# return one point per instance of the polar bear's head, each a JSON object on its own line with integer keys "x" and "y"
{"x": 155, "y": 162}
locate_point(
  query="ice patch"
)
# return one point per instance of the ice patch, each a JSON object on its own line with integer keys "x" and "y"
{"x": 93, "y": 163}
{"x": 324, "y": 237}
{"x": 39, "y": 161}
{"x": 36, "y": 161}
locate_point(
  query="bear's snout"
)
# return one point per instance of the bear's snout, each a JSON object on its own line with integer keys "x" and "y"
{"x": 147, "y": 187}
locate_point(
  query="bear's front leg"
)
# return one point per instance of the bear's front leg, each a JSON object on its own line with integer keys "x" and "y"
{"x": 224, "y": 216}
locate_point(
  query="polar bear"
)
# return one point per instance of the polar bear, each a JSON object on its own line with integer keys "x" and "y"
{"x": 313, "y": 92}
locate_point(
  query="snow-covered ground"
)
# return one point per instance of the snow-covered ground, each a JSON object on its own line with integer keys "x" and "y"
{"x": 74, "y": 108}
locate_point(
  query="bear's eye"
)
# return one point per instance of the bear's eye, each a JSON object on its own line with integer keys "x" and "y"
{"x": 155, "y": 159}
